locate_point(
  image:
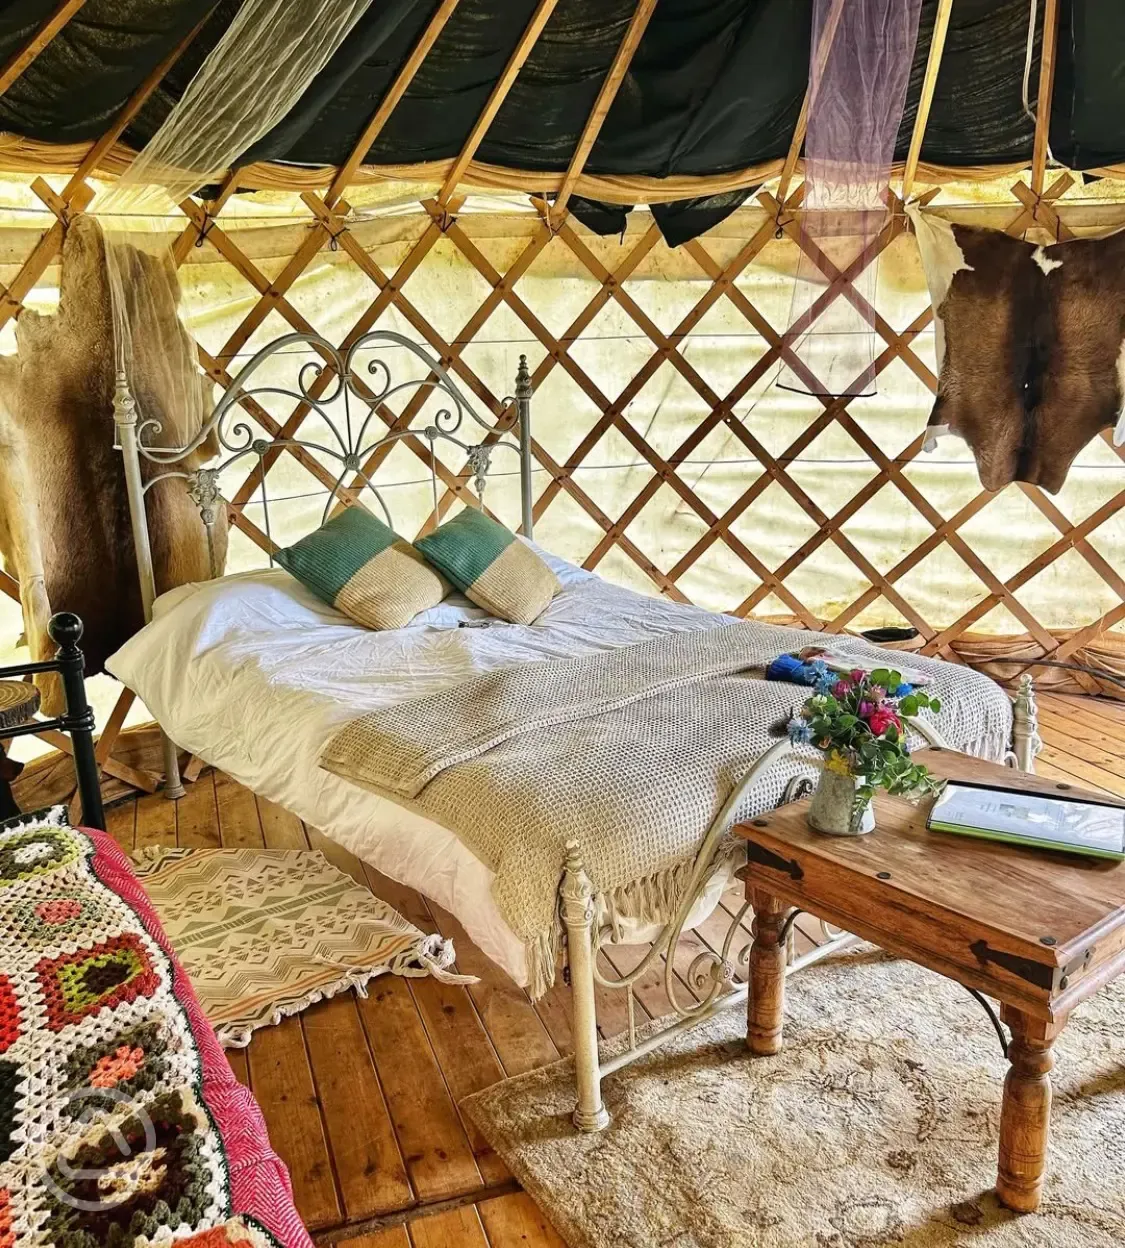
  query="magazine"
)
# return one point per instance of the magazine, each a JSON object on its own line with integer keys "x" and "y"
{"x": 1030, "y": 819}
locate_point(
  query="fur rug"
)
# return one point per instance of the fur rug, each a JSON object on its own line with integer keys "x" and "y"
{"x": 64, "y": 515}
{"x": 876, "y": 1124}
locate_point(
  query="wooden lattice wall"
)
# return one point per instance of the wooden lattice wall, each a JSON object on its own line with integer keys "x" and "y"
{"x": 1036, "y": 206}
{"x": 329, "y": 227}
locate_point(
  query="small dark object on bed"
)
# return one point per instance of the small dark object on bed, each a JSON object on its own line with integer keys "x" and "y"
{"x": 880, "y": 636}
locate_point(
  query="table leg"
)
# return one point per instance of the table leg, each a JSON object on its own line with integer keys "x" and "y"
{"x": 766, "y": 1003}
{"x": 1025, "y": 1115}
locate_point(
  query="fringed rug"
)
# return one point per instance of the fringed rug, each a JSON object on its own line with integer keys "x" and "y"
{"x": 877, "y": 1124}
{"x": 265, "y": 933}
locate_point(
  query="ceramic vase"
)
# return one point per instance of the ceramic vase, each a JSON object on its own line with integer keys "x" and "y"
{"x": 833, "y": 807}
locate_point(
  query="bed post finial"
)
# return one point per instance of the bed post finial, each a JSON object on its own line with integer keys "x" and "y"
{"x": 523, "y": 411}
{"x": 1026, "y": 742}
{"x": 579, "y": 913}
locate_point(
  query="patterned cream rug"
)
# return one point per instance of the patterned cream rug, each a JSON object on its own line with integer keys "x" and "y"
{"x": 877, "y": 1124}
{"x": 265, "y": 933}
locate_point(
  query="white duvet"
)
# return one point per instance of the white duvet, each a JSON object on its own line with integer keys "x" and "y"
{"x": 254, "y": 674}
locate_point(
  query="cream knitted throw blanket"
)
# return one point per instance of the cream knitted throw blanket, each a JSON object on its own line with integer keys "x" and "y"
{"x": 630, "y": 751}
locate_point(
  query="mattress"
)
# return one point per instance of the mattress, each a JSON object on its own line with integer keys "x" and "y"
{"x": 254, "y": 674}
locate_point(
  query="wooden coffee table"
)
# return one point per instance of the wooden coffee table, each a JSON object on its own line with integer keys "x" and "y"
{"x": 1038, "y": 931}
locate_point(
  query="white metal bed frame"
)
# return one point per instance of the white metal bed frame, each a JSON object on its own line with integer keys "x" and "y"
{"x": 710, "y": 974}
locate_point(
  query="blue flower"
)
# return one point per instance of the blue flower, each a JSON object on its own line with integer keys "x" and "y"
{"x": 799, "y": 731}
{"x": 823, "y": 679}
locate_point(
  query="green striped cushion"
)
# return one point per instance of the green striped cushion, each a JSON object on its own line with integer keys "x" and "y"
{"x": 363, "y": 568}
{"x": 493, "y": 568}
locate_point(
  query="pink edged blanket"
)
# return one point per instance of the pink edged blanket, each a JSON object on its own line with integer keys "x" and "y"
{"x": 121, "y": 1122}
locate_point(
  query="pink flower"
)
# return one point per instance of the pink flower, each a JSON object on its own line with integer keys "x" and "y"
{"x": 882, "y": 719}
{"x": 865, "y": 709}
{"x": 859, "y": 675}
{"x": 842, "y": 688}
{"x": 876, "y": 693}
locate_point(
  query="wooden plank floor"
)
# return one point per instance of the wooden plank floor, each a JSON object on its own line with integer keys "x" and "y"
{"x": 361, "y": 1095}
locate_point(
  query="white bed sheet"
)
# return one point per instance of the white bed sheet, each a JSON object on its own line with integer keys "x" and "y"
{"x": 254, "y": 674}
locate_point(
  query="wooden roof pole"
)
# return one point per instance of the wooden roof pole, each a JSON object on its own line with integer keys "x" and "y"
{"x": 613, "y": 80}
{"x": 387, "y": 104}
{"x": 926, "y": 99}
{"x": 499, "y": 95}
{"x": 1046, "y": 91}
{"x": 133, "y": 106}
{"x": 17, "y": 63}
{"x": 827, "y": 36}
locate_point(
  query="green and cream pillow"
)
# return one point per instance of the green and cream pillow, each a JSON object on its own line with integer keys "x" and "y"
{"x": 491, "y": 566}
{"x": 364, "y": 569}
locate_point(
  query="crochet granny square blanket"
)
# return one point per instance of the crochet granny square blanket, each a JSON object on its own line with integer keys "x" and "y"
{"x": 121, "y": 1123}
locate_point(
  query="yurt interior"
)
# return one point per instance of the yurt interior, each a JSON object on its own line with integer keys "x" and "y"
{"x": 698, "y": 414}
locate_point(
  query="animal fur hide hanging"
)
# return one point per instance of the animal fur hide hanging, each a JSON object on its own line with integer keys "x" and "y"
{"x": 1030, "y": 346}
{"x": 64, "y": 513}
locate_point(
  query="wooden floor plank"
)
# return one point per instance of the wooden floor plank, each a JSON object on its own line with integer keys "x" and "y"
{"x": 1080, "y": 769}
{"x": 410, "y": 904}
{"x": 337, "y": 855}
{"x": 197, "y": 815}
{"x": 121, "y": 823}
{"x": 1106, "y": 708}
{"x": 369, "y": 1166}
{"x": 239, "y": 825}
{"x": 455, "y": 1228}
{"x": 516, "y": 1221}
{"x": 283, "y": 1085}
{"x": 1051, "y": 772}
{"x": 280, "y": 829}
{"x": 1103, "y": 751}
{"x": 466, "y": 1055}
{"x": 392, "y": 1237}
{"x": 438, "y": 1155}
{"x": 239, "y": 1061}
{"x": 156, "y": 821}
{"x": 516, "y": 1030}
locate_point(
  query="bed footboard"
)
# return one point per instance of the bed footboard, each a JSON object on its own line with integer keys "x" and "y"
{"x": 711, "y": 974}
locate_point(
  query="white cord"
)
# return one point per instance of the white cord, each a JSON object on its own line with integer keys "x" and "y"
{"x": 1029, "y": 53}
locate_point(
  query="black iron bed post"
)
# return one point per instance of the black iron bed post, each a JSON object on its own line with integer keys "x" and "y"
{"x": 65, "y": 630}
{"x": 523, "y": 409}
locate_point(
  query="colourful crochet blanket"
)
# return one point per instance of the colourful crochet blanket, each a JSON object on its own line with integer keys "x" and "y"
{"x": 121, "y": 1123}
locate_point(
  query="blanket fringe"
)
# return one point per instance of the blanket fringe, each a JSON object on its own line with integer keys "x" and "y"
{"x": 652, "y": 899}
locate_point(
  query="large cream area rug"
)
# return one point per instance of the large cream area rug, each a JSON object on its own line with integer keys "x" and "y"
{"x": 265, "y": 933}
{"x": 877, "y": 1124}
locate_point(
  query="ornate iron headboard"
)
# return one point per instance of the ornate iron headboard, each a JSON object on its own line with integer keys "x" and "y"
{"x": 349, "y": 446}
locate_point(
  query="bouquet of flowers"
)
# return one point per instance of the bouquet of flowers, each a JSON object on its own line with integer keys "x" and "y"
{"x": 856, "y": 720}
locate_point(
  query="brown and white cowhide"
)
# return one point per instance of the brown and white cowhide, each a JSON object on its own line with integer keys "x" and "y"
{"x": 1030, "y": 346}
{"x": 64, "y": 515}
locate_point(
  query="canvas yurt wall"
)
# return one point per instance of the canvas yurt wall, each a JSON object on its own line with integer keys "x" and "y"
{"x": 668, "y": 457}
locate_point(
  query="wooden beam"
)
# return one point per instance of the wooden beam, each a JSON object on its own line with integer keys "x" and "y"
{"x": 603, "y": 103}
{"x": 1046, "y": 91}
{"x": 827, "y": 37}
{"x": 132, "y": 107}
{"x": 389, "y": 101}
{"x": 926, "y": 99}
{"x": 499, "y": 94}
{"x": 43, "y": 36}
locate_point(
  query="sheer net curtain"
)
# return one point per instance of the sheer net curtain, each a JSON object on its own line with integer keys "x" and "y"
{"x": 251, "y": 79}
{"x": 860, "y": 61}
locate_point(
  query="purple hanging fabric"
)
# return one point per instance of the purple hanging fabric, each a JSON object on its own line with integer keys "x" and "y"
{"x": 860, "y": 62}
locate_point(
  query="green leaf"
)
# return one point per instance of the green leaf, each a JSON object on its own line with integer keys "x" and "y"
{"x": 909, "y": 705}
